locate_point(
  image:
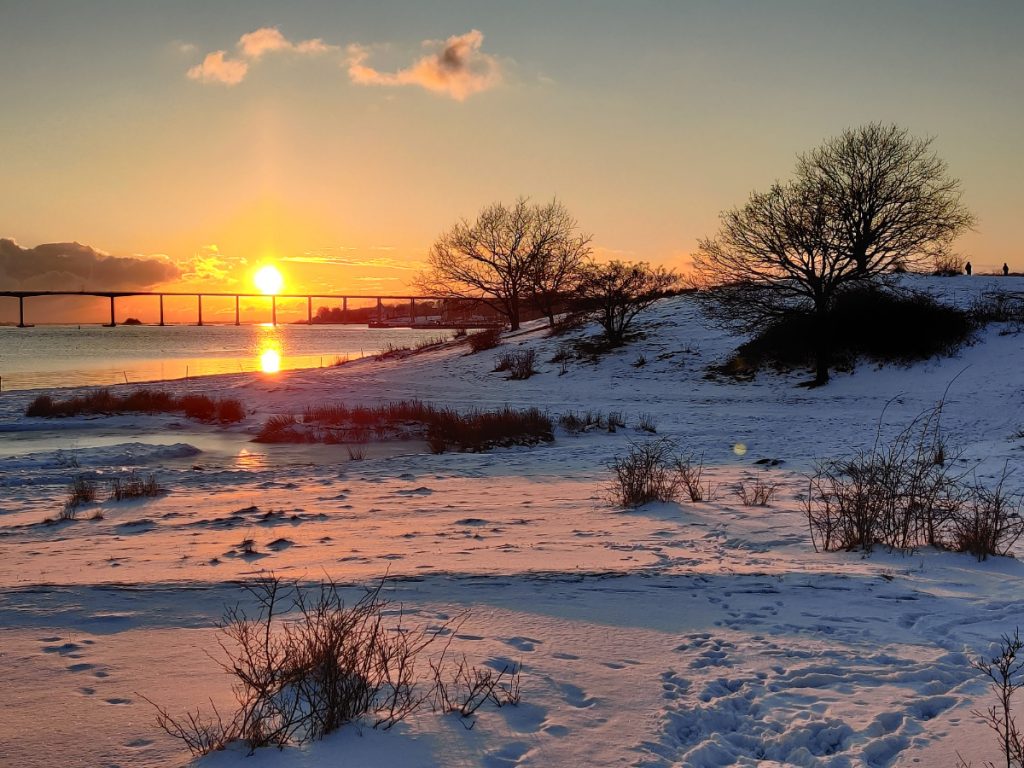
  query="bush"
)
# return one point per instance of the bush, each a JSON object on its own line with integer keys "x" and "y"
{"x": 690, "y": 474}
{"x": 644, "y": 474}
{"x": 307, "y": 664}
{"x": 948, "y": 265}
{"x": 989, "y": 523}
{"x": 906, "y": 495}
{"x": 519, "y": 363}
{"x": 484, "y": 340}
{"x": 881, "y": 325}
{"x": 1004, "y": 673}
{"x": 756, "y": 494}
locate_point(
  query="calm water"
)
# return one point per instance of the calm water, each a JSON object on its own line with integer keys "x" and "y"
{"x": 61, "y": 356}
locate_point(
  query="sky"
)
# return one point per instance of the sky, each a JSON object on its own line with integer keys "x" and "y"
{"x": 338, "y": 140}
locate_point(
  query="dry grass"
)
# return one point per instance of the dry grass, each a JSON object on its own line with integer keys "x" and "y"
{"x": 82, "y": 491}
{"x": 443, "y": 428}
{"x": 104, "y": 402}
{"x": 134, "y": 487}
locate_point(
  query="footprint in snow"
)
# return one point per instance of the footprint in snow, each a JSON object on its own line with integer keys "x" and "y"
{"x": 507, "y": 756}
{"x": 576, "y": 696}
{"x": 421, "y": 491}
{"x": 522, "y": 643}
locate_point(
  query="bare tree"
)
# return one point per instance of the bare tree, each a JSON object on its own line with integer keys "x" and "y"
{"x": 556, "y": 276}
{"x": 615, "y": 293}
{"x": 864, "y": 204}
{"x": 505, "y": 256}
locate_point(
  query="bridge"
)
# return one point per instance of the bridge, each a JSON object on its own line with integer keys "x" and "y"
{"x": 344, "y": 298}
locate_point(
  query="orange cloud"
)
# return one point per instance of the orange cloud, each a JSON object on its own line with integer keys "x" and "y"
{"x": 218, "y": 68}
{"x": 269, "y": 39}
{"x": 457, "y": 68}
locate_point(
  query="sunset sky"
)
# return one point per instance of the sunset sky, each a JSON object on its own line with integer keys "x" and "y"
{"x": 339, "y": 139}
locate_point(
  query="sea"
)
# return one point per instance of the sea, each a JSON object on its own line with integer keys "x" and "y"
{"x": 47, "y": 356}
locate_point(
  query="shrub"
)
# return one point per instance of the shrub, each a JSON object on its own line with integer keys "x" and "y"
{"x": 690, "y": 474}
{"x": 503, "y": 362}
{"x": 757, "y": 494}
{"x": 998, "y": 308}
{"x": 906, "y": 495}
{"x": 484, "y": 340}
{"x": 471, "y": 687}
{"x": 948, "y": 264}
{"x": 988, "y": 523}
{"x": 306, "y": 664}
{"x": 881, "y": 325}
{"x": 644, "y": 474}
{"x": 1004, "y": 673}
{"x": 521, "y": 364}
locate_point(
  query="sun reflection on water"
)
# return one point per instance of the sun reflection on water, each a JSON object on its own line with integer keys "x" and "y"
{"x": 268, "y": 346}
{"x": 270, "y": 361}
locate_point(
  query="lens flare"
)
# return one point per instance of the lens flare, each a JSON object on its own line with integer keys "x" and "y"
{"x": 268, "y": 280}
{"x": 270, "y": 361}
{"x": 739, "y": 449}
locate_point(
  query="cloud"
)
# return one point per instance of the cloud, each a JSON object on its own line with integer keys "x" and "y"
{"x": 456, "y": 68}
{"x": 208, "y": 264}
{"x": 74, "y": 267}
{"x": 269, "y": 39}
{"x": 348, "y": 261}
{"x": 217, "y": 67}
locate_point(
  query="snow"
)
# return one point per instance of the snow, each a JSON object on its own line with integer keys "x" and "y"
{"x": 698, "y": 634}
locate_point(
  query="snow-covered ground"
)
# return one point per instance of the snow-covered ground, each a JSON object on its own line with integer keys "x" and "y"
{"x": 699, "y": 634}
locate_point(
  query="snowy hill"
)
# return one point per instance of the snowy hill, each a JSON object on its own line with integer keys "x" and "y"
{"x": 697, "y": 634}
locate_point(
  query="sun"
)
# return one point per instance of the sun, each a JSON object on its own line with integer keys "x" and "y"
{"x": 269, "y": 280}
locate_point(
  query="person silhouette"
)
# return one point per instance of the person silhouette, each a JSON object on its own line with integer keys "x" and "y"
{"x": 967, "y": 268}
{"x": 1006, "y": 269}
